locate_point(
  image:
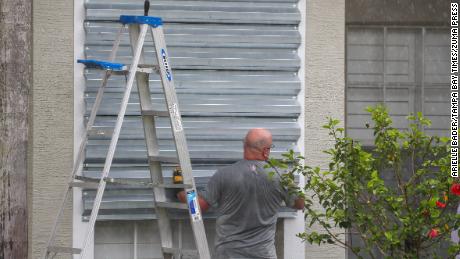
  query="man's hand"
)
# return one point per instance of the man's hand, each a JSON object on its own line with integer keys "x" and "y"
{"x": 299, "y": 204}
{"x": 182, "y": 196}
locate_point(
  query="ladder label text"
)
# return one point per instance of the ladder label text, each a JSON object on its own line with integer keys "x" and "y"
{"x": 165, "y": 63}
{"x": 176, "y": 120}
{"x": 193, "y": 205}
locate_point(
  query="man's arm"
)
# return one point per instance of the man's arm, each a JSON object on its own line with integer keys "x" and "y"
{"x": 203, "y": 204}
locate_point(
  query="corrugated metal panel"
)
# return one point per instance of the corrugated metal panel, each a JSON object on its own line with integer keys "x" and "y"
{"x": 235, "y": 66}
{"x": 406, "y": 68}
{"x": 240, "y": 12}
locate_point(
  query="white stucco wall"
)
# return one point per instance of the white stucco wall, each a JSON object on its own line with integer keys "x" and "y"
{"x": 325, "y": 88}
{"x": 52, "y": 119}
{"x": 292, "y": 245}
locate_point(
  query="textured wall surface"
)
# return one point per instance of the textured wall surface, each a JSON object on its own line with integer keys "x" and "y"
{"x": 52, "y": 118}
{"x": 325, "y": 87}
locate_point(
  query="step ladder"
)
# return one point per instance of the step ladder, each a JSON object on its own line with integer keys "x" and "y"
{"x": 138, "y": 27}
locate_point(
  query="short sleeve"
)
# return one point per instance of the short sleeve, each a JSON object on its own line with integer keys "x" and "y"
{"x": 213, "y": 189}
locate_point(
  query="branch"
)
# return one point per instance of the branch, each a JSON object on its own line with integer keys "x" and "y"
{"x": 344, "y": 244}
{"x": 414, "y": 175}
{"x": 364, "y": 238}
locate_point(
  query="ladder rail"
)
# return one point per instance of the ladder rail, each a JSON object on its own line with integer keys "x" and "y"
{"x": 89, "y": 125}
{"x": 172, "y": 105}
{"x": 114, "y": 140}
{"x": 180, "y": 140}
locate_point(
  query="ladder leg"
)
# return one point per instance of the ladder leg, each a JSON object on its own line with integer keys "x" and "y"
{"x": 180, "y": 236}
{"x": 114, "y": 140}
{"x": 179, "y": 138}
{"x": 116, "y": 44}
{"x": 81, "y": 150}
{"x": 97, "y": 102}
{"x": 79, "y": 158}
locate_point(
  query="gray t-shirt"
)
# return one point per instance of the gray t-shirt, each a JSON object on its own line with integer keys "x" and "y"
{"x": 247, "y": 201}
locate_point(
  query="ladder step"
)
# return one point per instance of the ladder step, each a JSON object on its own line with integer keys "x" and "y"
{"x": 173, "y": 186}
{"x": 171, "y": 205}
{"x": 85, "y": 182}
{"x": 164, "y": 159}
{"x": 155, "y": 113}
{"x": 94, "y": 182}
{"x": 133, "y": 183}
{"x": 183, "y": 252}
{"x": 100, "y": 132}
{"x": 85, "y": 185}
{"x": 149, "y": 69}
{"x": 64, "y": 250}
{"x": 99, "y": 64}
{"x": 117, "y": 67}
{"x": 150, "y": 20}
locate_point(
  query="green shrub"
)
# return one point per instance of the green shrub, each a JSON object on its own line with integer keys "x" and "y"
{"x": 409, "y": 217}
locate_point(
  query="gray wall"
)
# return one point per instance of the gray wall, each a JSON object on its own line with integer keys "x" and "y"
{"x": 325, "y": 88}
{"x": 52, "y": 118}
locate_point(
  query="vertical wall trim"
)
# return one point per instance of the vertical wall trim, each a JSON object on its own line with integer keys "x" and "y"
{"x": 79, "y": 227}
{"x": 422, "y": 108}
{"x": 293, "y": 246}
{"x": 385, "y": 35}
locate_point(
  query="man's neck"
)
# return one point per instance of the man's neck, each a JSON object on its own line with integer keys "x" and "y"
{"x": 253, "y": 157}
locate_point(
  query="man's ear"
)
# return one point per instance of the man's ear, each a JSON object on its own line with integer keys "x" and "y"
{"x": 266, "y": 154}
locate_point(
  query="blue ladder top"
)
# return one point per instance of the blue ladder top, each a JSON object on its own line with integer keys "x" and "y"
{"x": 91, "y": 63}
{"x": 150, "y": 20}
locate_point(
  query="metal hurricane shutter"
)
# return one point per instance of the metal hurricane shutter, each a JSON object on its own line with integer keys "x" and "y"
{"x": 235, "y": 67}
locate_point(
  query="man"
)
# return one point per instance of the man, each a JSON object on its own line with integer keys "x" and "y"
{"x": 247, "y": 201}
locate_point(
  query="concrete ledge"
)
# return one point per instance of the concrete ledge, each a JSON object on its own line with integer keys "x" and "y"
{"x": 397, "y": 12}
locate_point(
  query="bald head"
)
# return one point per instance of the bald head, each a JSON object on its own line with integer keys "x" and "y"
{"x": 257, "y": 144}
